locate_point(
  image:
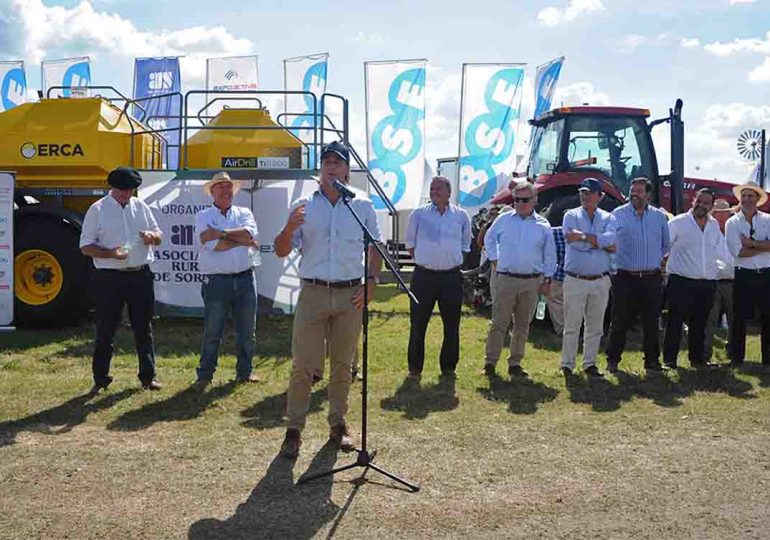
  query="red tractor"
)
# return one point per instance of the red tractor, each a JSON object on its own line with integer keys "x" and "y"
{"x": 613, "y": 145}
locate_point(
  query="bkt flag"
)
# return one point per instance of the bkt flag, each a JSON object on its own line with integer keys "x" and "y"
{"x": 395, "y": 119}
{"x": 489, "y": 117}
{"x": 307, "y": 74}
{"x": 154, "y": 80}
{"x": 67, "y": 72}
{"x": 545, "y": 84}
{"x": 13, "y": 85}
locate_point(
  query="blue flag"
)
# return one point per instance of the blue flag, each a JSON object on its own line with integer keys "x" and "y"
{"x": 159, "y": 77}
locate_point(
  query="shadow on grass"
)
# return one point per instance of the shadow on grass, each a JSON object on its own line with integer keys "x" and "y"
{"x": 62, "y": 418}
{"x": 522, "y": 395}
{"x": 269, "y": 412}
{"x": 603, "y": 396}
{"x": 276, "y": 507}
{"x": 417, "y": 402}
{"x": 184, "y": 405}
{"x": 759, "y": 371}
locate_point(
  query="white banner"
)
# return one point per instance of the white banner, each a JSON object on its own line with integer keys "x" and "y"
{"x": 175, "y": 202}
{"x": 13, "y": 85}
{"x": 395, "y": 120}
{"x": 6, "y": 248}
{"x": 67, "y": 72}
{"x": 546, "y": 77}
{"x": 307, "y": 74}
{"x": 232, "y": 74}
{"x": 489, "y": 118}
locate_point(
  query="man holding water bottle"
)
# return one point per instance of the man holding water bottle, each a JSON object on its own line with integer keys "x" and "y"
{"x": 117, "y": 233}
{"x": 521, "y": 248}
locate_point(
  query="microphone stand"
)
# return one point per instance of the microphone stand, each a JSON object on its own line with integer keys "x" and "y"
{"x": 364, "y": 456}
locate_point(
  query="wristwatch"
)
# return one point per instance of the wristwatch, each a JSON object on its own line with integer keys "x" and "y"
{"x": 223, "y": 236}
{"x": 547, "y": 280}
{"x": 583, "y": 236}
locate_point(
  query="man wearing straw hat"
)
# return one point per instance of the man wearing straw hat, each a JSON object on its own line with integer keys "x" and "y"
{"x": 723, "y": 295}
{"x": 748, "y": 238}
{"x": 228, "y": 253}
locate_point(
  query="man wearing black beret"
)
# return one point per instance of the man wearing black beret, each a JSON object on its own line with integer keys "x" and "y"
{"x": 117, "y": 233}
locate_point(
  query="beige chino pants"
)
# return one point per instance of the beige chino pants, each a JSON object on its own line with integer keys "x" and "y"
{"x": 322, "y": 312}
{"x": 514, "y": 299}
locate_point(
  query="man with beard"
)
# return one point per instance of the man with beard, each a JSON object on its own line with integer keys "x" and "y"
{"x": 748, "y": 238}
{"x": 696, "y": 244}
{"x": 642, "y": 242}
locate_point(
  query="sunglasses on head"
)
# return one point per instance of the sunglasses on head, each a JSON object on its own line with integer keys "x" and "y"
{"x": 522, "y": 199}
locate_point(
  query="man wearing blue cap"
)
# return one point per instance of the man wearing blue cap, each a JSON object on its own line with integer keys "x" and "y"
{"x": 117, "y": 233}
{"x": 590, "y": 233}
{"x": 331, "y": 247}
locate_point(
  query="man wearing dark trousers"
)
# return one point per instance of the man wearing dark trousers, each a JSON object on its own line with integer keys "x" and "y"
{"x": 748, "y": 238}
{"x": 437, "y": 236}
{"x": 117, "y": 233}
{"x": 642, "y": 242}
{"x": 696, "y": 245}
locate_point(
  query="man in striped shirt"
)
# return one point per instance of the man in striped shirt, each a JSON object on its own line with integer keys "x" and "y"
{"x": 642, "y": 243}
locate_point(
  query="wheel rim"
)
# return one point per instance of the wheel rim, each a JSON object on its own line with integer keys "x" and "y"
{"x": 38, "y": 277}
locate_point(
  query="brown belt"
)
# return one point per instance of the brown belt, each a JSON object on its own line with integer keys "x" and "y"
{"x": 587, "y": 278}
{"x": 520, "y": 276}
{"x": 334, "y": 284}
{"x": 639, "y": 273}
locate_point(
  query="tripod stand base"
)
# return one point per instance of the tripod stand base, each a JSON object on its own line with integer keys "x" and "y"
{"x": 364, "y": 459}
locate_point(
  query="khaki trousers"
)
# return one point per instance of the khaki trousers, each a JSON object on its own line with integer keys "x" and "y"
{"x": 514, "y": 299}
{"x": 584, "y": 300}
{"x": 555, "y": 303}
{"x": 321, "y": 310}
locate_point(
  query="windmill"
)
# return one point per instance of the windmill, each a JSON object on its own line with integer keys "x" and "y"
{"x": 751, "y": 146}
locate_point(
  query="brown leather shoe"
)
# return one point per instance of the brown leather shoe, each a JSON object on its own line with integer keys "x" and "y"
{"x": 291, "y": 443}
{"x": 340, "y": 436}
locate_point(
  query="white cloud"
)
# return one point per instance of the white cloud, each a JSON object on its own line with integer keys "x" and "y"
{"x": 84, "y": 30}
{"x": 690, "y": 42}
{"x": 733, "y": 2}
{"x": 369, "y": 39}
{"x": 760, "y": 73}
{"x": 580, "y": 93}
{"x": 631, "y": 42}
{"x": 554, "y": 16}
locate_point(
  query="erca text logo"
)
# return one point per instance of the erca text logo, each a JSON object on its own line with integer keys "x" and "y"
{"x": 30, "y": 150}
{"x": 161, "y": 80}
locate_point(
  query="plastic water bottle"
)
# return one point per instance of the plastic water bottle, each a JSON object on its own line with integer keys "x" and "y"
{"x": 540, "y": 313}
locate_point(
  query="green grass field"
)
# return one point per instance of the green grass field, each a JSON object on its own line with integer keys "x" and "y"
{"x": 686, "y": 455}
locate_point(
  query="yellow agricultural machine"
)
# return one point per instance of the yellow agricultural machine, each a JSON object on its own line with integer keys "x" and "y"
{"x": 62, "y": 149}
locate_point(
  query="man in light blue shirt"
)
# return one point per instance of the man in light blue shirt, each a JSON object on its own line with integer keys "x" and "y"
{"x": 643, "y": 242}
{"x": 523, "y": 253}
{"x": 329, "y": 308}
{"x": 437, "y": 236}
{"x": 590, "y": 233}
{"x": 227, "y": 255}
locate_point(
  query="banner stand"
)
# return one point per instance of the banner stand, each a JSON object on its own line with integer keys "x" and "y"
{"x": 7, "y": 180}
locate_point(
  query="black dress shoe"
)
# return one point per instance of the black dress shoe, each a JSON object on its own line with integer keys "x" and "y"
{"x": 152, "y": 385}
{"x": 613, "y": 367}
{"x": 516, "y": 371}
{"x": 567, "y": 372}
{"x": 593, "y": 372}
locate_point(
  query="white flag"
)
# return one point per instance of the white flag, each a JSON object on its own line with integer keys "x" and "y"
{"x": 66, "y": 73}
{"x": 489, "y": 118}
{"x": 232, "y": 74}
{"x": 395, "y": 119}
{"x": 305, "y": 74}
{"x": 13, "y": 85}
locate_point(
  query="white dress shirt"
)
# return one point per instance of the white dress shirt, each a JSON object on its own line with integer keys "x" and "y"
{"x": 439, "y": 240}
{"x": 109, "y": 225}
{"x": 229, "y": 261}
{"x": 694, "y": 252}
{"x": 737, "y": 226}
{"x": 330, "y": 240}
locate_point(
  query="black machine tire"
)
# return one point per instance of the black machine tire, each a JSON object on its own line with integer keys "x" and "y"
{"x": 60, "y": 241}
{"x": 555, "y": 212}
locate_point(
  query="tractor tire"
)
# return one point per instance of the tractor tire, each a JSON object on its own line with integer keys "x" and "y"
{"x": 50, "y": 274}
{"x": 555, "y": 212}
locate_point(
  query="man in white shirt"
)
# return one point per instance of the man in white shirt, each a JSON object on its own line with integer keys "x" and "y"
{"x": 117, "y": 233}
{"x": 696, "y": 244}
{"x": 723, "y": 296}
{"x": 437, "y": 236}
{"x": 228, "y": 253}
{"x": 748, "y": 238}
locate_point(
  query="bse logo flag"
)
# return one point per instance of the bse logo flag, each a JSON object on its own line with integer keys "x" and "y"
{"x": 161, "y": 80}
{"x": 13, "y": 89}
{"x": 76, "y": 75}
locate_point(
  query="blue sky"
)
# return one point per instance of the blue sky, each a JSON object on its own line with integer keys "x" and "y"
{"x": 715, "y": 54}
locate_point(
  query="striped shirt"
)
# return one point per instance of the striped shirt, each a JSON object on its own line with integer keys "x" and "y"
{"x": 558, "y": 239}
{"x": 643, "y": 240}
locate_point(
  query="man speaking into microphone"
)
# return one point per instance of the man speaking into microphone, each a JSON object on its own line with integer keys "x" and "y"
{"x": 331, "y": 245}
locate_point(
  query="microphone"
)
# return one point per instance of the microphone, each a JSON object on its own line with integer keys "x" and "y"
{"x": 343, "y": 190}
